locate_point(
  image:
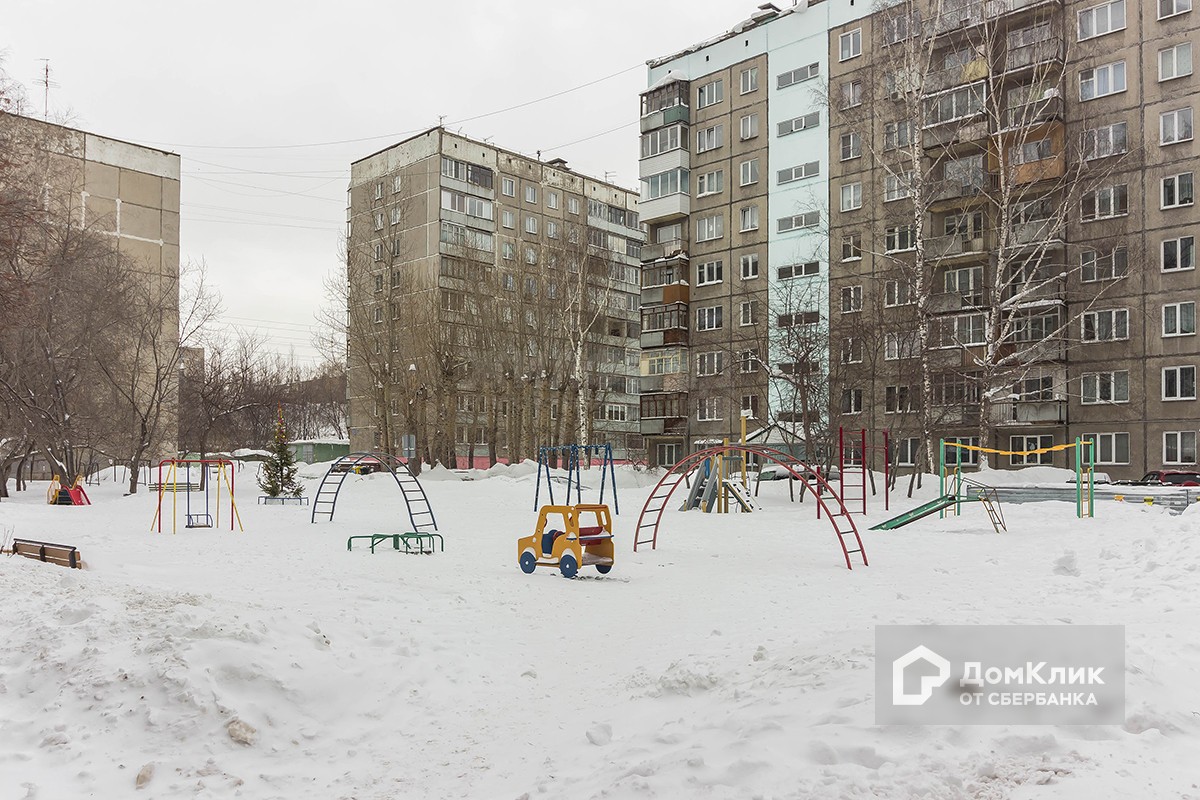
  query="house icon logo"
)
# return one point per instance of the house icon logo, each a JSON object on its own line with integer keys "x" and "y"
{"x": 928, "y": 682}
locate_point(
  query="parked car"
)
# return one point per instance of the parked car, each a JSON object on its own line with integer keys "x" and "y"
{"x": 364, "y": 466}
{"x": 1166, "y": 477}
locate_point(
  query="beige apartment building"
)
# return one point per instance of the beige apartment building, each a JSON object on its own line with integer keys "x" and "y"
{"x": 1012, "y": 228}
{"x": 492, "y": 304}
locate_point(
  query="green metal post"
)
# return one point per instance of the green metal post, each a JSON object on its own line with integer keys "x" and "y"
{"x": 942, "y": 473}
{"x": 1078, "y": 479}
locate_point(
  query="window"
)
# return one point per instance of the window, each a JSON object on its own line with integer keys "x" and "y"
{"x": 749, "y": 215}
{"x": 852, "y": 299}
{"x": 963, "y": 330}
{"x": 709, "y": 139}
{"x": 573, "y": 204}
{"x": 531, "y": 225}
{"x": 1175, "y": 126}
{"x": 1103, "y": 266}
{"x": 1109, "y": 325}
{"x": 660, "y": 141}
{"x": 851, "y": 146}
{"x": 907, "y": 451}
{"x": 1109, "y": 140}
{"x": 379, "y": 252}
{"x": 379, "y": 220}
{"x": 664, "y": 183}
{"x": 709, "y": 272}
{"x": 1029, "y": 152}
{"x": 1101, "y": 81}
{"x": 709, "y": 409}
{"x": 1179, "y": 447}
{"x": 899, "y": 399}
{"x": 852, "y": 94}
{"x": 850, "y": 44}
{"x": 749, "y": 126}
{"x": 900, "y": 345}
{"x": 851, "y": 246}
{"x": 748, "y": 361}
{"x": 852, "y": 196}
{"x": 710, "y": 228}
{"x": 1169, "y": 8}
{"x": 1110, "y": 448}
{"x": 1177, "y": 190}
{"x": 799, "y": 270}
{"x": 852, "y": 350}
{"x": 509, "y": 251}
{"x": 967, "y": 283}
{"x": 1025, "y": 444}
{"x": 749, "y": 80}
{"x": 1179, "y": 383}
{"x": 750, "y": 406}
{"x": 1179, "y": 319}
{"x": 710, "y": 183}
{"x": 1105, "y": 202}
{"x": 899, "y": 239}
{"x": 852, "y": 401}
{"x": 959, "y": 103}
{"x": 797, "y": 318}
{"x": 809, "y": 219}
{"x": 808, "y": 170}
{"x": 749, "y": 172}
{"x": 663, "y": 363}
{"x": 955, "y": 389}
{"x": 749, "y": 266}
{"x": 1179, "y": 254}
{"x": 508, "y": 187}
{"x": 531, "y": 255}
{"x": 552, "y": 229}
{"x": 531, "y": 194}
{"x": 897, "y": 293}
{"x": 749, "y": 311}
{"x": 899, "y": 27}
{"x": 897, "y": 134}
{"x": 710, "y": 93}
{"x": 897, "y": 187}
{"x": 508, "y": 219}
{"x": 708, "y": 318}
{"x": 1175, "y": 62}
{"x": 378, "y": 315}
{"x": 1102, "y": 19}
{"x": 379, "y": 283}
{"x": 709, "y": 363}
{"x": 798, "y": 75}
{"x": 799, "y": 123}
{"x": 1104, "y": 387}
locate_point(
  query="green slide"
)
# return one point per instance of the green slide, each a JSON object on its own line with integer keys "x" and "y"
{"x": 917, "y": 513}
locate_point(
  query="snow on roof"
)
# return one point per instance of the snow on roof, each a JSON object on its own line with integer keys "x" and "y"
{"x": 671, "y": 76}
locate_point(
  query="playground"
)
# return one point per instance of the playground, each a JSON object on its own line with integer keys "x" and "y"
{"x": 731, "y": 659}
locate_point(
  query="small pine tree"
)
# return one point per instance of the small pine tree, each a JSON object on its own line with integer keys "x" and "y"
{"x": 278, "y": 476}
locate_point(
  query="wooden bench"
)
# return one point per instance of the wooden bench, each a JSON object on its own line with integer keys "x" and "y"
{"x": 409, "y": 538}
{"x": 266, "y": 500}
{"x": 62, "y": 554}
{"x": 175, "y": 487}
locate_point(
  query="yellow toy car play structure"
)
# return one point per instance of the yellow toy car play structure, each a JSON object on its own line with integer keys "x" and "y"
{"x": 564, "y": 539}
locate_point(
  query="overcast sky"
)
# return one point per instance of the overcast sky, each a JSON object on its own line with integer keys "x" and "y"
{"x": 269, "y": 102}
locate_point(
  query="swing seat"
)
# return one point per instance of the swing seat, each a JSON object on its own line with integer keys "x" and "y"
{"x": 199, "y": 521}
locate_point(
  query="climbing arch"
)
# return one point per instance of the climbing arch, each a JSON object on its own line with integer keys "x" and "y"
{"x": 420, "y": 513}
{"x": 836, "y": 512}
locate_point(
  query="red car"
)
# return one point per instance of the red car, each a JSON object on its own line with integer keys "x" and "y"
{"x": 1170, "y": 477}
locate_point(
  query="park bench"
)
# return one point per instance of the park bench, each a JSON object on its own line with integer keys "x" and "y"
{"x": 409, "y": 538}
{"x": 62, "y": 554}
{"x": 266, "y": 500}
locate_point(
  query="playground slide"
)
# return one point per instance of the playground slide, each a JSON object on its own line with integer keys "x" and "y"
{"x": 924, "y": 510}
{"x": 739, "y": 496}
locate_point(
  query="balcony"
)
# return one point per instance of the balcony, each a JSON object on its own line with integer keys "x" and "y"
{"x": 662, "y": 338}
{"x": 948, "y": 302}
{"x": 1039, "y": 53}
{"x": 667, "y": 207}
{"x": 665, "y": 295}
{"x": 667, "y": 249}
{"x": 942, "y": 79}
{"x": 674, "y": 382}
{"x": 664, "y": 117}
{"x": 1000, "y": 8}
{"x": 1034, "y": 112}
{"x": 957, "y": 190}
{"x": 944, "y": 134}
{"x": 1039, "y": 231}
{"x": 958, "y": 19}
{"x": 1030, "y": 412}
{"x": 956, "y": 245}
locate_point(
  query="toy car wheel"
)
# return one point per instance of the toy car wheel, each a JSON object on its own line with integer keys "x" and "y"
{"x": 528, "y": 563}
{"x": 568, "y": 565}
{"x": 603, "y": 569}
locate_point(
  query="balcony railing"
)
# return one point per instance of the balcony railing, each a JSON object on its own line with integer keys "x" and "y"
{"x": 956, "y": 244}
{"x": 1036, "y": 232}
{"x": 947, "y": 302}
{"x": 1030, "y": 412}
{"x": 651, "y": 252}
{"x": 1034, "y": 112}
{"x": 959, "y": 18}
{"x": 998, "y": 8}
{"x": 1037, "y": 53}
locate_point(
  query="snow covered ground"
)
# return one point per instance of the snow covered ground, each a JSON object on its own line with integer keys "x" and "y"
{"x": 733, "y": 662}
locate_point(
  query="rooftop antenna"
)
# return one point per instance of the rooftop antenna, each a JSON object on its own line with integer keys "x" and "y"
{"x": 46, "y": 85}
{"x": 441, "y": 120}
{"x": 609, "y": 176}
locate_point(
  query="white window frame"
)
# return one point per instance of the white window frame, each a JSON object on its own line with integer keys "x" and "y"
{"x": 710, "y": 272}
{"x": 1183, "y": 445}
{"x": 850, "y": 145}
{"x": 1174, "y": 316}
{"x": 711, "y": 228}
{"x": 531, "y": 225}
{"x": 897, "y": 293}
{"x": 852, "y": 196}
{"x": 1110, "y": 73}
{"x": 1179, "y": 372}
{"x": 1176, "y": 7}
{"x": 1118, "y": 319}
{"x": 809, "y": 169}
{"x": 1175, "y": 62}
{"x": 710, "y": 183}
{"x": 531, "y": 195}
{"x": 1092, "y": 14}
{"x": 1106, "y": 140}
{"x": 809, "y": 219}
{"x": 1178, "y": 242}
{"x": 1179, "y": 118}
{"x": 850, "y": 45}
{"x": 852, "y": 299}
{"x": 748, "y": 127}
{"x": 1101, "y": 441}
{"x": 748, "y": 313}
{"x": 1094, "y": 385}
{"x": 710, "y": 363}
{"x": 748, "y": 80}
{"x": 508, "y": 187}
{"x": 1183, "y": 189}
{"x": 897, "y": 187}
{"x": 748, "y": 172}
{"x": 710, "y": 318}
{"x": 710, "y": 138}
{"x": 749, "y": 218}
{"x": 749, "y": 265}
{"x": 710, "y": 93}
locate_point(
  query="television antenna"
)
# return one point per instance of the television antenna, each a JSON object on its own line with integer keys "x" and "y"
{"x": 46, "y": 85}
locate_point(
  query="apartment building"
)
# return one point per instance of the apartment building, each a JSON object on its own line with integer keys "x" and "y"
{"x": 1016, "y": 223}
{"x": 493, "y": 303}
{"x": 734, "y": 169}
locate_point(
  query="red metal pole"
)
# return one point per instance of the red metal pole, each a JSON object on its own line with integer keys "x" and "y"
{"x": 842, "y": 464}
{"x": 862, "y": 460}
